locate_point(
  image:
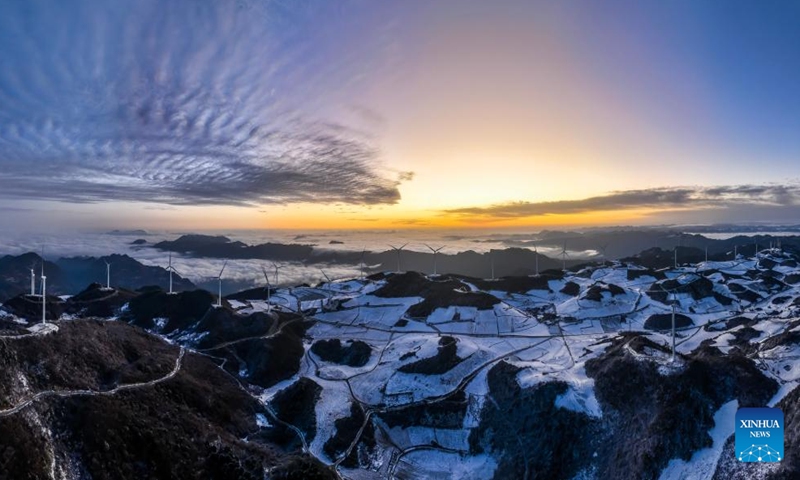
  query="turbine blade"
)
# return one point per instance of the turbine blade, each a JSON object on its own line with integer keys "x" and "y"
{"x": 266, "y": 277}
{"x": 223, "y": 268}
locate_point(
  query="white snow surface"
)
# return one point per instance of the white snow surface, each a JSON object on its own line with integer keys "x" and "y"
{"x": 548, "y": 334}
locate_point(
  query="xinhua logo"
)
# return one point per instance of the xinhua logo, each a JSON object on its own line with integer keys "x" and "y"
{"x": 759, "y": 435}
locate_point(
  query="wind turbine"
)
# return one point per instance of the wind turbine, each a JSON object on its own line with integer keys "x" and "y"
{"x": 706, "y": 253}
{"x": 564, "y": 256}
{"x": 108, "y": 275}
{"x": 219, "y": 284}
{"x": 675, "y": 261}
{"x": 171, "y": 269}
{"x": 269, "y": 287}
{"x": 672, "y": 359}
{"x": 671, "y": 294}
{"x": 603, "y": 249}
{"x": 491, "y": 261}
{"x": 326, "y": 276}
{"x": 361, "y": 264}
{"x": 277, "y": 267}
{"x": 44, "y": 299}
{"x": 44, "y": 292}
{"x": 536, "y": 256}
{"x": 33, "y": 282}
{"x": 398, "y": 249}
{"x": 435, "y": 252}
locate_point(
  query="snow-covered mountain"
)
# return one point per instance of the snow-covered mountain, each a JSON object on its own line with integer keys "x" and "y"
{"x": 560, "y": 375}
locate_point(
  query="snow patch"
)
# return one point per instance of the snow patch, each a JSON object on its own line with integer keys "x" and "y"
{"x": 703, "y": 463}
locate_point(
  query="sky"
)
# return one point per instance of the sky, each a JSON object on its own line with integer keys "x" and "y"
{"x": 357, "y": 114}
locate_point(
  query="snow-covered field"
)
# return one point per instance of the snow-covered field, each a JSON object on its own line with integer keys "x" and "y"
{"x": 549, "y": 333}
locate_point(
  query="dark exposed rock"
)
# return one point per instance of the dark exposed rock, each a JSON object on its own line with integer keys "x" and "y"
{"x": 743, "y": 293}
{"x": 595, "y": 292}
{"x": 571, "y": 288}
{"x": 445, "y": 359}
{"x": 182, "y": 310}
{"x": 346, "y": 430}
{"x": 663, "y": 321}
{"x": 266, "y": 361}
{"x": 189, "y": 426}
{"x": 220, "y": 325}
{"x": 780, "y": 300}
{"x": 295, "y": 405}
{"x": 515, "y": 284}
{"x": 30, "y": 308}
{"x": 448, "y": 413}
{"x": 96, "y": 301}
{"x": 636, "y": 273}
{"x": 258, "y": 293}
{"x": 355, "y": 354}
{"x": 529, "y": 435}
{"x": 792, "y": 279}
{"x": 673, "y": 416}
{"x": 442, "y": 293}
{"x": 301, "y": 467}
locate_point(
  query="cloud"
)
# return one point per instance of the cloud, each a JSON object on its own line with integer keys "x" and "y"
{"x": 683, "y": 198}
{"x": 176, "y": 103}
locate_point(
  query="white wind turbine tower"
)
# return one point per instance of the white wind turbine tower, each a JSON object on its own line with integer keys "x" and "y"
{"x": 564, "y": 256}
{"x": 171, "y": 269}
{"x": 269, "y": 288}
{"x": 44, "y": 292}
{"x": 33, "y": 281}
{"x": 219, "y": 284}
{"x": 673, "y": 302}
{"x": 536, "y": 257}
{"x": 277, "y": 267}
{"x": 603, "y": 249}
{"x": 398, "y": 250}
{"x": 755, "y": 256}
{"x": 435, "y": 253}
{"x": 361, "y": 264}
{"x": 108, "y": 275}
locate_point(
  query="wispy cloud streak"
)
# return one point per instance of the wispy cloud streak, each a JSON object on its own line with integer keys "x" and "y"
{"x": 180, "y": 103}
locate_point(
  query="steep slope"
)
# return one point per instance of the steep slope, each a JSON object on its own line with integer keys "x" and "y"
{"x": 105, "y": 400}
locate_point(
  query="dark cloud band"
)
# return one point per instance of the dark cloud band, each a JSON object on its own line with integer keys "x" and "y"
{"x": 658, "y": 198}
